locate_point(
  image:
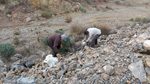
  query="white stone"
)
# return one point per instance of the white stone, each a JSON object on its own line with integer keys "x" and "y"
{"x": 105, "y": 76}
{"x": 109, "y": 69}
{"x": 141, "y": 38}
{"x": 25, "y": 80}
{"x": 28, "y": 19}
{"x": 147, "y": 62}
{"x": 147, "y": 69}
{"x": 138, "y": 71}
{"x": 1, "y": 62}
{"x": 146, "y": 44}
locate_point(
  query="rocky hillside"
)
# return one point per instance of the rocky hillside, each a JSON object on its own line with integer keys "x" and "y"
{"x": 22, "y": 12}
{"x": 121, "y": 58}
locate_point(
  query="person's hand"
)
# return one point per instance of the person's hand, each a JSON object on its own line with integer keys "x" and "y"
{"x": 58, "y": 55}
{"x": 87, "y": 42}
{"x": 61, "y": 45}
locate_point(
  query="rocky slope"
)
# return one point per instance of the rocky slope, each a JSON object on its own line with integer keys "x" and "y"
{"x": 120, "y": 58}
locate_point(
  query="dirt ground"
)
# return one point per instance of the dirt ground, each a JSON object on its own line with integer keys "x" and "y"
{"x": 38, "y": 29}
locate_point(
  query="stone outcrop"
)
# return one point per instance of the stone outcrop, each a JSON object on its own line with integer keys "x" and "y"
{"x": 118, "y": 60}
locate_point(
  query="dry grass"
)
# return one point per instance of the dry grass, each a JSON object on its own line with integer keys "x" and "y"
{"x": 16, "y": 40}
{"x": 105, "y": 29}
{"x": 68, "y": 19}
{"x": 16, "y": 31}
{"x": 77, "y": 29}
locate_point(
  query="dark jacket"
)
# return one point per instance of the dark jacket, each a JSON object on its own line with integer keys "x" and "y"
{"x": 54, "y": 42}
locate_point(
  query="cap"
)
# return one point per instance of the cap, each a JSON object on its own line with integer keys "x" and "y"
{"x": 64, "y": 37}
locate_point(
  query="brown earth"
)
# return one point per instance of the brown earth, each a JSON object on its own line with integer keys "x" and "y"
{"x": 38, "y": 28}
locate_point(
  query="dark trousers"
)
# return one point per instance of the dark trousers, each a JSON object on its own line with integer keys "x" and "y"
{"x": 94, "y": 40}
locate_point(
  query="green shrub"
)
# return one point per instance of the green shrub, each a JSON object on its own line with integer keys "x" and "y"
{"x": 66, "y": 45}
{"x": 3, "y": 1}
{"x": 66, "y": 12}
{"x": 103, "y": 0}
{"x": 89, "y": 1}
{"x": 146, "y": 20}
{"x": 46, "y": 14}
{"x": 44, "y": 41}
{"x": 131, "y": 19}
{"x": 117, "y": 1}
{"x": 143, "y": 20}
{"x": 60, "y": 31}
{"x": 82, "y": 9}
{"x": 6, "y": 50}
{"x": 138, "y": 19}
{"x": 108, "y": 7}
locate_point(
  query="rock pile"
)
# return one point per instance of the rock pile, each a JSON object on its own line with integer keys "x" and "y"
{"x": 121, "y": 58}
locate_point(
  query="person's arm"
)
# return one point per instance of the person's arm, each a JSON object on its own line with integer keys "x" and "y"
{"x": 90, "y": 37}
{"x": 84, "y": 39}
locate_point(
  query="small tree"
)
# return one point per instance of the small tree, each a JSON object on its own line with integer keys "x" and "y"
{"x": 66, "y": 44}
{"x": 6, "y": 50}
{"x": 82, "y": 9}
{"x": 46, "y": 14}
{"x": 44, "y": 41}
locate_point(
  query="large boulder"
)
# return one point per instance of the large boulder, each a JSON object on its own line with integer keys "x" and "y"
{"x": 146, "y": 44}
{"x": 142, "y": 37}
{"x": 138, "y": 71}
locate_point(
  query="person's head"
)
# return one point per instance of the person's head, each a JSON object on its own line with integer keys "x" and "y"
{"x": 86, "y": 33}
{"x": 63, "y": 37}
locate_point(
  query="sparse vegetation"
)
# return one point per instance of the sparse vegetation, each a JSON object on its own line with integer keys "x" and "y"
{"x": 77, "y": 29}
{"x": 68, "y": 19}
{"x": 66, "y": 12}
{"x": 126, "y": 3}
{"x": 82, "y": 9}
{"x": 28, "y": 50}
{"x": 103, "y": 0}
{"x": 46, "y": 14}
{"x": 44, "y": 41}
{"x": 143, "y": 20}
{"x": 89, "y": 1}
{"x": 138, "y": 19}
{"x": 61, "y": 31}
{"x": 16, "y": 41}
{"x": 104, "y": 28}
{"x": 6, "y": 50}
{"x": 146, "y": 20}
{"x": 117, "y": 2}
{"x": 131, "y": 19}
{"x": 3, "y": 1}
{"x": 107, "y": 7}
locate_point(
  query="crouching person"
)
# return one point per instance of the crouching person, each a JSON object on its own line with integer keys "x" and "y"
{"x": 54, "y": 42}
{"x": 92, "y": 34}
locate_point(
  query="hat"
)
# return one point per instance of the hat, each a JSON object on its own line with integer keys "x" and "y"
{"x": 64, "y": 37}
